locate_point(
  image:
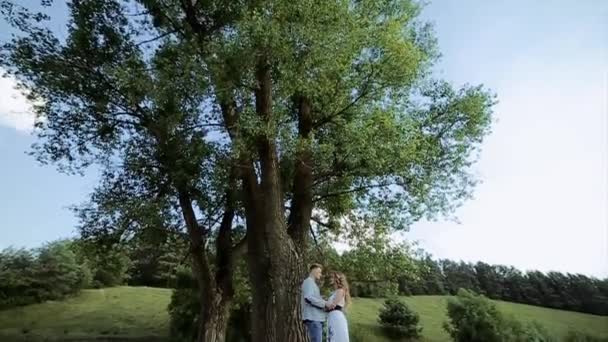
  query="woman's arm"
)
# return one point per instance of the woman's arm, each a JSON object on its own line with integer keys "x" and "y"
{"x": 338, "y": 297}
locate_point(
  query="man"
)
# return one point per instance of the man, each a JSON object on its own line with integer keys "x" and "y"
{"x": 313, "y": 305}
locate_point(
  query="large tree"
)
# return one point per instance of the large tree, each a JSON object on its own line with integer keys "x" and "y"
{"x": 138, "y": 114}
{"x": 265, "y": 110}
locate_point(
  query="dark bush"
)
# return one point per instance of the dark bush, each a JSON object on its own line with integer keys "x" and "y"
{"x": 398, "y": 321}
{"x": 51, "y": 272}
{"x": 58, "y": 273}
{"x": 17, "y": 278}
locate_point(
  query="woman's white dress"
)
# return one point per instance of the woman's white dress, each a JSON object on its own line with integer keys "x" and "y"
{"x": 337, "y": 326}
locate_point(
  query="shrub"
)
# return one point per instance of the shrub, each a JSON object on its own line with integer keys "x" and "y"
{"x": 474, "y": 318}
{"x": 183, "y": 313}
{"x": 17, "y": 267}
{"x": 399, "y": 321}
{"x": 111, "y": 267}
{"x": 58, "y": 273}
{"x": 108, "y": 264}
{"x": 53, "y": 272}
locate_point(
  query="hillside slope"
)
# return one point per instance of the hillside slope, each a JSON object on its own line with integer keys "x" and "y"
{"x": 140, "y": 313}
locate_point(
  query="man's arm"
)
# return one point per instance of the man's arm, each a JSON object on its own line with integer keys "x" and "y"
{"x": 311, "y": 297}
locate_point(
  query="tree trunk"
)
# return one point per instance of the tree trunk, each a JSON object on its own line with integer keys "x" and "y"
{"x": 301, "y": 206}
{"x": 274, "y": 262}
{"x": 214, "y": 298}
{"x": 275, "y": 282}
{"x": 213, "y": 324}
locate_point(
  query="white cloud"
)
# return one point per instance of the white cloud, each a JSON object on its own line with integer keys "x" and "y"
{"x": 15, "y": 110}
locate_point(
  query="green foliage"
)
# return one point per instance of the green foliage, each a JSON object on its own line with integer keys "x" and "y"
{"x": 574, "y": 292}
{"x": 155, "y": 259}
{"x": 430, "y": 279}
{"x": 385, "y": 137}
{"x": 375, "y": 289}
{"x": 374, "y": 265}
{"x": 399, "y": 321}
{"x": 166, "y": 120}
{"x": 183, "y": 314}
{"x": 17, "y": 276}
{"x": 51, "y": 272}
{"x": 58, "y": 270}
{"x": 108, "y": 263}
{"x": 475, "y": 318}
{"x": 459, "y": 275}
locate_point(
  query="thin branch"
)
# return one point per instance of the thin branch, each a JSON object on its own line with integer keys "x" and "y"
{"x": 364, "y": 92}
{"x": 156, "y": 38}
{"x": 353, "y": 190}
{"x": 314, "y": 237}
{"x": 138, "y": 14}
{"x": 192, "y": 127}
{"x": 319, "y": 222}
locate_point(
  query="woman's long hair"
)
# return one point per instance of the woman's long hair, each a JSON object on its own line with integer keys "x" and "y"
{"x": 340, "y": 280}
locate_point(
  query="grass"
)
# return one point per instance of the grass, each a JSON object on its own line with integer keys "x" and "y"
{"x": 140, "y": 313}
{"x": 432, "y": 311}
{"x": 111, "y": 313}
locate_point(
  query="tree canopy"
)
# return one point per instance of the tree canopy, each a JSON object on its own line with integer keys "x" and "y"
{"x": 215, "y": 114}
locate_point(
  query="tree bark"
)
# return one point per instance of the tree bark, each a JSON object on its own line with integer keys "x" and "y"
{"x": 214, "y": 325}
{"x": 215, "y": 291}
{"x": 301, "y": 206}
{"x": 274, "y": 262}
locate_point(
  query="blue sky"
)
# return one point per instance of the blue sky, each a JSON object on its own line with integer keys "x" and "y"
{"x": 544, "y": 197}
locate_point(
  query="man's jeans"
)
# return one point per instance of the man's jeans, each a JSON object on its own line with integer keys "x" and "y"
{"x": 315, "y": 330}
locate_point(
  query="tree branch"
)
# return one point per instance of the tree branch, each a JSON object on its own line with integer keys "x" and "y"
{"x": 353, "y": 190}
{"x": 364, "y": 92}
{"x": 319, "y": 222}
{"x": 156, "y": 38}
{"x": 314, "y": 238}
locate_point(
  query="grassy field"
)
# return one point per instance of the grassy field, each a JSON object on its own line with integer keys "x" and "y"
{"x": 432, "y": 311}
{"x": 140, "y": 313}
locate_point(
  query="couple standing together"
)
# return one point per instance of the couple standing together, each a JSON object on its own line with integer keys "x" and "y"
{"x": 315, "y": 310}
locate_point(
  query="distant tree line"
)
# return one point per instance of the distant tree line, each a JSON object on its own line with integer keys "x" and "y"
{"x": 62, "y": 268}
{"x": 573, "y": 292}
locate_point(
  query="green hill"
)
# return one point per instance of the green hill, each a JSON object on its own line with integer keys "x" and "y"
{"x": 140, "y": 313}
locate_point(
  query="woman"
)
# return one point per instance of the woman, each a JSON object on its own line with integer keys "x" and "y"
{"x": 336, "y": 320}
